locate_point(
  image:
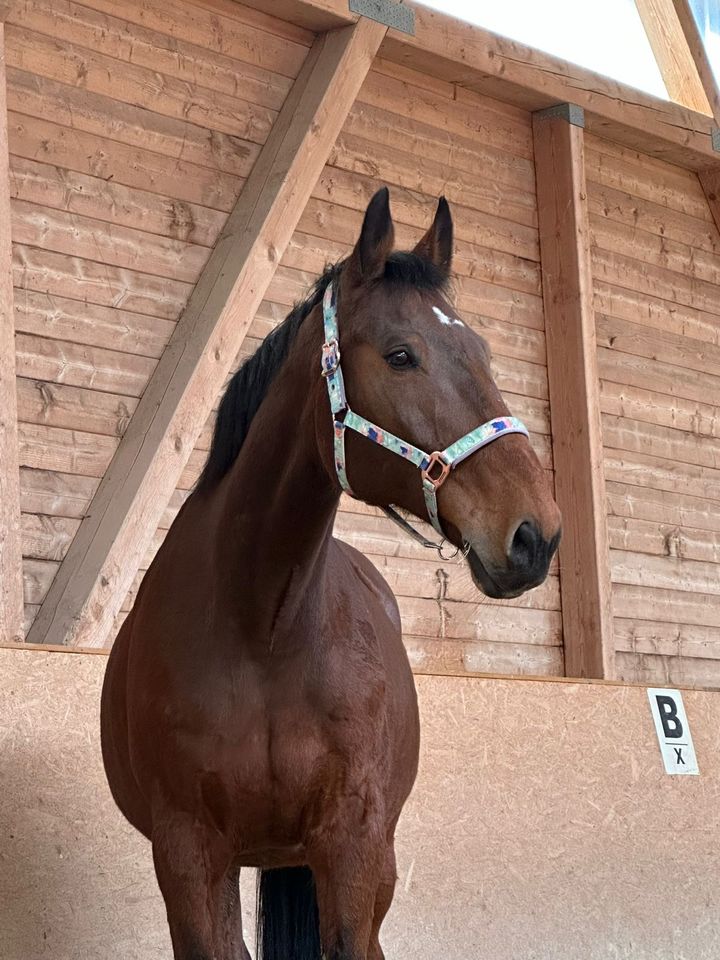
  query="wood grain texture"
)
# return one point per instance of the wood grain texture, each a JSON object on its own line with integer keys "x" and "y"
{"x": 574, "y": 397}
{"x": 110, "y": 544}
{"x": 699, "y": 55}
{"x": 11, "y": 594}
{"x": 678, "y": 66}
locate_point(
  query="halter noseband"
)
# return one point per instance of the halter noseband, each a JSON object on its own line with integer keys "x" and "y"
{"x": 434, "y": 467}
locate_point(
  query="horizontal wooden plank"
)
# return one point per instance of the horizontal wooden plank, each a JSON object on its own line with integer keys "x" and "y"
{"x": 45, "y": 271}
{"x": 702, "y": 419}
{"x": 55, "y": 494}
{"x": 66, "y": 451}
{"x": 645, "y": 177}
{"x": 124, "y": 165}
{"x": 74, "y": 408}
{"x": 192, "y": 63}
{"x": 480, "y": 621}
{"x": 662, "y": 671}
{"x": 622, "y": 207}
{"x": 482, "y": 120}
{"x": 667, "y": 347}
{"x": 73, "y": 64}
{"x": 664, "y": 539}
{"x": 45, "y": 537}
{"x": 400, "y": 169}
{"x": 77, "y": 321}
{"x": 108, "y": 243}
{"x": 644, "y": 309}
{"x": 233, "y": 30}
{"x": 474, "y": 657}
{"x": 678, "y": 509}
{"x": 392, "y": 128}
{"x": 667, "y": 639}
{"x": 672, "y": 606}
{"x": 658, "y": 250}
{"x": 658, "y": 441}
{"x": 657, "y": 281}
{"x": 48, "y": 185}
{"x": 644, "y": 470}
{"x": 80, "y": 365}
{"x": 665, "y": 573}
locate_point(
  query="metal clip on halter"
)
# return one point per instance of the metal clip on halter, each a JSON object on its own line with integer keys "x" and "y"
{"x": 434, "y": 467}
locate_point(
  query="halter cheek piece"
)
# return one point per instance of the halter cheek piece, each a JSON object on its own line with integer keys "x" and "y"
{"x": 434, "y": 467}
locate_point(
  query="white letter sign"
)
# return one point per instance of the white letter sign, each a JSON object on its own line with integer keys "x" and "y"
{"x": 673, "y": 731}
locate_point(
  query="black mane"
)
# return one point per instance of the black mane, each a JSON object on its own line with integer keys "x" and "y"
{"x": 249, "y": 385}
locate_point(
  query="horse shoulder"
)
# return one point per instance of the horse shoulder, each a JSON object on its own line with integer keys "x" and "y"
{"x": 373, "y": 581}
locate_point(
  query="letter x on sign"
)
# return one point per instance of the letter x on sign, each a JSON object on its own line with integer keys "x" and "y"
{"x": 673, "y": 731}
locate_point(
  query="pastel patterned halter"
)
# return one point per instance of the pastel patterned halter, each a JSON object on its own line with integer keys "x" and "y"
{"x": 434, "y": 467}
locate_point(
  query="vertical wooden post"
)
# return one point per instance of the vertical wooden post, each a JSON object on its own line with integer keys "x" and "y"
{"x": 574, "y": 391}
{"x": 11, "y": 584}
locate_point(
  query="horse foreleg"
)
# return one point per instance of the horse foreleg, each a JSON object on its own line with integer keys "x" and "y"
{"x": 346, "y": 871}
{"x": 193, "y": 863}
{"x": 383, "y": 900}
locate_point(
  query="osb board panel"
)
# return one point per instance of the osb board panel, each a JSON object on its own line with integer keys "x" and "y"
{"x": 542, "y": 827}
{"x": 656, "y": 255}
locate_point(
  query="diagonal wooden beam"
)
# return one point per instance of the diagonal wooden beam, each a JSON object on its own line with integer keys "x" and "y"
{"x": 11, "y": 584}
{"x": 668, "y": 40}
{"x": 574, "y": 391}
{"x": 698, "y": 53}
{"x": 98, "y": 570}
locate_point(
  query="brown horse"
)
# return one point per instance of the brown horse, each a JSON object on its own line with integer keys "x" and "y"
{"x": 258, "y": 707}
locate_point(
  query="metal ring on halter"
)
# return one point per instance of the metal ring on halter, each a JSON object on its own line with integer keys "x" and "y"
{"x": 459, "y": 551}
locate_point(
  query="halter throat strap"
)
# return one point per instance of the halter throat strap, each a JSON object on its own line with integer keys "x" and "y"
{"x": 434, "y": 467}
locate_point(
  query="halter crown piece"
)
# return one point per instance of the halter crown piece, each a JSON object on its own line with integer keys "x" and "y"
{"x": 434, "y": 467}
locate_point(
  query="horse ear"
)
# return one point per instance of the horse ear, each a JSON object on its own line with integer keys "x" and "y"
{"x": 367, "y": 261}
{"x": 437, "y": 244}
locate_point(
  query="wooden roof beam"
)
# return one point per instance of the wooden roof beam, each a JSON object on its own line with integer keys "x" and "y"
{"x": 698, "y": 52}
{"x": 574, "y": 384}
{"x": 11, "y": 581}
{"x": 93, "y": 580}
{"x": 668, "y": 41}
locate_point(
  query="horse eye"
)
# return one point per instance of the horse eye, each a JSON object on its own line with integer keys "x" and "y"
{"x": 401, "y": 359}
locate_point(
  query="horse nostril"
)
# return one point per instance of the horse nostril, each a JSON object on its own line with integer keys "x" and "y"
{"x": 526, "y": 547}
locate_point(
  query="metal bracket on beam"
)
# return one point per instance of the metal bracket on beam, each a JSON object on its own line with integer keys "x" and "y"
{"x": 392, "y": 14}
{"x": 715, "y": 138}
{"x": 564, "y": 111}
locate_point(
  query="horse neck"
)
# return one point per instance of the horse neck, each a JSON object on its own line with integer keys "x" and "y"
{"x": 280, "y": 503}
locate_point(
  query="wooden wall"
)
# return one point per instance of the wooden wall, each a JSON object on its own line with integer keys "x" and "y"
{"x": 132, "y": 127}
{"x": 133, "y": 124}
{"x": 656, "y": 261}
{"x": 479, "y": 153}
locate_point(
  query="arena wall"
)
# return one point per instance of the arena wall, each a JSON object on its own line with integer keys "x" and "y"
{"x": 542, "y": 826}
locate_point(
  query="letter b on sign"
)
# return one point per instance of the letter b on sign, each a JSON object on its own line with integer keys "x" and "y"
{"x": 667, "y": 708}
{"x": 673, "y": 731}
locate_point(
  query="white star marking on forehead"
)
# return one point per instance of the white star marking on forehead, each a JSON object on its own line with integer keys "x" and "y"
{"x": 445, "y": 319}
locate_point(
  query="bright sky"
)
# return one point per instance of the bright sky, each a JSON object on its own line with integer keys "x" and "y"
{"x": 603, "y": 35}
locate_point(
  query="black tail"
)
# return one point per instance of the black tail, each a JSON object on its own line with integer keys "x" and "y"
{"x": 288, "y": 927}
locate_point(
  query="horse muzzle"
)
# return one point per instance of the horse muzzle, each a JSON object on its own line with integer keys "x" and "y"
{"x": 526, "y": 564}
